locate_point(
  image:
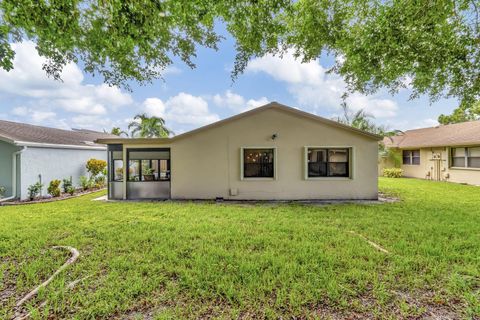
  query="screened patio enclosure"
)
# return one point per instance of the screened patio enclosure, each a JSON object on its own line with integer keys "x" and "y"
{"x": 146, "y": 175}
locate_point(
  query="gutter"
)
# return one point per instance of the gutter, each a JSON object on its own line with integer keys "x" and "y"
{"x": 58, "y": 146}
{"x": 14, "y": 175}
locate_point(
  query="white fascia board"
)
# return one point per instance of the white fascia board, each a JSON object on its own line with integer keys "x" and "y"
{"x": 7, "y": 140}
{"x": 58, "y": 146}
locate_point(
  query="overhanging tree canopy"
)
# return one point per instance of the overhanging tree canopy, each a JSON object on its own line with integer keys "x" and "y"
{"x": 432, "y": 46}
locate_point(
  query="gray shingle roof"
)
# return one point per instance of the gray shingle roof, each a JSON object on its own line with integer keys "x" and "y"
{"x": 458, "y": 134}
{"x": 21, "y": 132}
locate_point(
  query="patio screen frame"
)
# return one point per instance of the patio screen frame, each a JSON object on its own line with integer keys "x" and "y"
{"x": 129, "y": 150}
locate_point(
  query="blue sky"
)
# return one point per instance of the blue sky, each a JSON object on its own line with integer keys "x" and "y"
{"x": 189, "y": 98}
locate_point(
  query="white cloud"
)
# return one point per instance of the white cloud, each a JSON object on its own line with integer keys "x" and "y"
{"x": 236, "y": 102}
{"x": 153, "y": 107}
{"x": 312, "y": 87}
{"x": 411, "y": 124}
{"x": 379, "y": 108}
{"x": 33, "y": 115}
{"x": 28, "y": 80}
{"x": 92, "y": 122}
{"x": 430, "y": 122}
{"x": 187, "y": 109}
{"x": 20, "y": 111}
{"x": 41, "y": 116}
{"x": 171, "y": 70}
{"x": 183, "y": 110}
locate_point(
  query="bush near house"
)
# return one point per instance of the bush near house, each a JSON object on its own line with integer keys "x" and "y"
{"x": 392, "y": 172}
{"x": 2, "y": 191}
{"x": 86, "y": 183}
{"x": 34, "y": 190}
{"x": 54, "y": 188}
{"x": 70, "y": 190}
{"x": 95, "y": 167}
{"x": 100, "y": 181}
{"x": 67, "y": 183}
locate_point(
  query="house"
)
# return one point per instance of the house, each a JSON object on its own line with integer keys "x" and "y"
{"x": 273, "y": 152}
{"x": 29, "y": 154}
{"x": 443, "y": 153}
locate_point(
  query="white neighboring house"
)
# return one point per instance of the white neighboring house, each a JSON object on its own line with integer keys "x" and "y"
{"x": 29, "y": 154}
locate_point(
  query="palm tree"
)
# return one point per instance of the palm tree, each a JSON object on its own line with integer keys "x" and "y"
{"x": 118, "y": 132}
{"x": 391, "y": 154}
{"x": 148, "y": 127}
{"x": 360, "y": 120}
{"x": 363, "y": 121}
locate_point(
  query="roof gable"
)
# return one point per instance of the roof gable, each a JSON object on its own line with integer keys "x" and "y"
{"x": 283, "y": 108}
{"x": 269, "y": 106}
{"x": 458, "y": 134}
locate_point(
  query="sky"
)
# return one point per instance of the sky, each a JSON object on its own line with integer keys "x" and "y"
{"x": 190, "y": 98}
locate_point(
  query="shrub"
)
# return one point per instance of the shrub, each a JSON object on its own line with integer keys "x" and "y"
{"x": 34, "y": 190}
{"x": 100, "y": 181}
{"x": 393, "y": 172}
{"x": 70, "y": 190}
{"x": 54, "y": 188}
{"x": 86, "y": 183}
{"x": 2, "y": 191}
{"x": 95, "y": 166}
{"x": 67, "y": 183}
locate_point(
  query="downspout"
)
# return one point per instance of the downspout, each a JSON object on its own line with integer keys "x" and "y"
{"x": 14, "y": 175}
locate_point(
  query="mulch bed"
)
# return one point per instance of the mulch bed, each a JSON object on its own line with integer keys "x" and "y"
{"x": 63, "y": 196}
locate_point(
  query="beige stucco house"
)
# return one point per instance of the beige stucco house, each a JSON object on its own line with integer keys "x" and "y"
{"x": 443, "y": 153}
{"x": 271, "y": 152}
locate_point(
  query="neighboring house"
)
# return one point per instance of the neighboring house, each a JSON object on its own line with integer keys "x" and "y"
{"x": 444, "y": 153}
{"x": 271, "y": 152}
{"x": 29, "y": 154}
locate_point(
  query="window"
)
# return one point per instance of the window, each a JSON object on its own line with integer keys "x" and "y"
{"x": 115, "y": 160}
{"x": 411, "y": 157}
{"x": 466, "y": 157}
{"x": 117, "y": 170}
{"x": 258, "y": 163}
{"x": 328, "y": 162}
{"x": 148, "y": 165}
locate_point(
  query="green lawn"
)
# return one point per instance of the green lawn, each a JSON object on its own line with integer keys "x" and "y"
{"x": 190, "y": 260}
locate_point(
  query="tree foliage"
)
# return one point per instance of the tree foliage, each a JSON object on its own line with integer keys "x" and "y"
{"x": 118, "y": 132}
{"x": 432, "y": 46}
{"x": 364, "y": 121}
{"x": 144, "y": 126}
{"x": 461, "y": 114}
{"x": 360, "y": 120}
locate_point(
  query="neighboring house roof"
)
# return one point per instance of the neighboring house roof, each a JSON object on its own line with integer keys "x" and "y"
{"x": 272, "y": 105}
{"x": 23, "y": 134}
{"x": 458, "y": 134}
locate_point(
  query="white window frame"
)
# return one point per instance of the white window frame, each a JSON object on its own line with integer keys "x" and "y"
{"x": 351, "y": 165}
{"x": 411, "y": 157}
{"x": 275, "y": 156}
{"x": 450, "y": 156}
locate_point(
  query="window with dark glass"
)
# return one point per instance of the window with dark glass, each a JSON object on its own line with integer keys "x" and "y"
{"x": 328, "y": 162}
{"x": 466, "y": 157}
{"x": 148, "y": 165}
{"x": 411, "y": 157}
{"x": 258, "y": 163}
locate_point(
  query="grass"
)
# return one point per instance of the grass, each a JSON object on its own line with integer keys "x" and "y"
{"x": 189, "y": 260}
